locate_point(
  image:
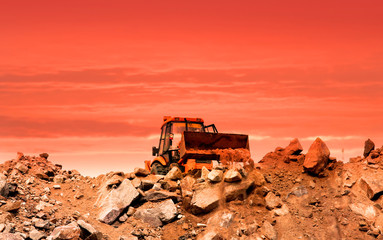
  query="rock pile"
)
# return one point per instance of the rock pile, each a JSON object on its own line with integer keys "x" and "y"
{"x": 288, "y": 195}
{"x": 315, "y": 162}
{"x": 27, "y": 209}
{"x": 291, "y": 153}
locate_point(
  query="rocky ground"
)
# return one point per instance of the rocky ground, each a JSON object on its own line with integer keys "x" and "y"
{"x": 287, "y": 195}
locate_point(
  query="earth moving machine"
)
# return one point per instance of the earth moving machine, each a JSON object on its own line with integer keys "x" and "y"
{"x": 188, "y": 143}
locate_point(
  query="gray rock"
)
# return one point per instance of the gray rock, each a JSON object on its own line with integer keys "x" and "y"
{"x": 136, "y": 182}
{"x": 166, "y": 211}
{"x": 146, "y": 216}
{"x": 284, "y": 210}
{"x": 59, "y": 179}
{"x": 272, "y": 201}
{"x": 118, "y": 200}
{"x": 186, "y": 185}
{"x": 205, "y": 199}
{"x": 204, "y": 172}
{"x": 174, "y": 174}
{"x": 36, "y": 235}
{"x": 88, "y": 231}
{"x": 221, "y": 219}
{"x": 215, "y": 175}
{"x": 40, "y": 223}
{"x": 232, "y": 176}
{"x": 367, "y": 211}
{"x": 299, "y": 191}
{"x": 162, "y": 214}
{"x": 148, "y": 182}
{"x": 86, "y": 226}
{"x": 154, "y": 196}
{"x": 268, "y": 230}
{"x": 157, "y": 186}
{"x": 7, "y": 189}
{"x": 372, "y": 185}
{"x": 68, "y": 232}
{"x": 22, "y": 168}
{"x": 238, "y": 190}
{"x": 123, "y": 218}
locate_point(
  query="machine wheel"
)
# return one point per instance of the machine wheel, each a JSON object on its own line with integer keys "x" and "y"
{"x": 158, "y": 169}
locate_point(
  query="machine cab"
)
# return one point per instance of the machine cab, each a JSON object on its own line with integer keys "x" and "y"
{"x": 171, "y": 133}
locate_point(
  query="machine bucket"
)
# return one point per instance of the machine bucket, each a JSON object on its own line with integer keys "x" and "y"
{"x": 197, "y": 145}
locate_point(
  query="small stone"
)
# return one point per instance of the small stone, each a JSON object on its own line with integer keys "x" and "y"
{"x": 215, "y": 175}
{"x": 131, "y": 211}
{"x": 44, "y": 155}
{"x": 272, "y": 201}
{"x": 268, "y": 230}
{"x": 123, "y": 218}
{"x": 232, "y": 176}
{"x": 59, "y": 179}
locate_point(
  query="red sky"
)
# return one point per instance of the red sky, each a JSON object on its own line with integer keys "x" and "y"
{"x": 89, "y": 81}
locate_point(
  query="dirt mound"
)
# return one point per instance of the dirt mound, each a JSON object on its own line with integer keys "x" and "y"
{"x": 275, "y": 200}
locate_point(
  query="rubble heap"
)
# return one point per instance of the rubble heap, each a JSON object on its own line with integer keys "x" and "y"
{"x": 287, "y": 195}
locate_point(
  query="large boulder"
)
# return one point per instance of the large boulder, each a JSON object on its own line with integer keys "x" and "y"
{"x": 232, "y": 176}
{"x": 221, "y": 219}
{"x": 205, "y": 199}
{"x": 156, "y": 217}
{"x": 88, "y": 231}
{"x": 368, "y": 147}
{"x": 317, "y": 157}
{"x": 372, "y": 185}
{"x": 294, "y": 148}
{"x": 367, "y": 211}
{"x": 174, "y": 174}
{"x": 238, "y": 190}
{"x": 68, "y": 232}
{"x": 215, "y": 175}
{"x": 116, "y": 201}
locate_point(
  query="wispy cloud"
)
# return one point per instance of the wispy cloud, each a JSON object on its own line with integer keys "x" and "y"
{"x": 331, "y": 138}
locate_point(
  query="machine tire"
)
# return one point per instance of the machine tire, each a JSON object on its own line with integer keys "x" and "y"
{"x": 158, "y": 169}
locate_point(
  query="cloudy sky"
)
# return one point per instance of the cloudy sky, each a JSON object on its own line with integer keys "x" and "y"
{"x": 89, "y": 81}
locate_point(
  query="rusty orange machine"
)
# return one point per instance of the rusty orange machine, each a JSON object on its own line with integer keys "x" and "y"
{"x": 188, "y": 143}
